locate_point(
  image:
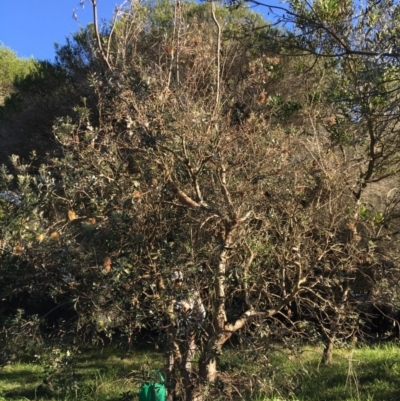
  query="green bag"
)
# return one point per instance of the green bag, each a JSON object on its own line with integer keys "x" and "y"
{"x": 153, "y": 391}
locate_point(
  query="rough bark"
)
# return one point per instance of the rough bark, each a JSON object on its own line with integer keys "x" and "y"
{"x": 327, "y": 354}
{"x": 335, "y": 329}
{"x": 174, "y": 359}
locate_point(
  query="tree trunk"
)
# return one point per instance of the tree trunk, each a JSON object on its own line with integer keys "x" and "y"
{"x": 208, "y": 367}
{"x": 182, "y": 382}
{"x": 334, "y": 329}
{"x": 208, "y": 358}
{"x": 190, "y": 382}
{"x": 327, "y": 354}
{"x": 174, "y": 359}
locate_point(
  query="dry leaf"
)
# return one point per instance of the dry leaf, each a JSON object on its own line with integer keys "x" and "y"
{"x": 71, "y": 215}
{"x": 160, "y": 283}
{"x": 18, "y": 250}
{"x": 107, "y": 264}
{"x": 169, "y": 49}
{"x": 352, "y": 227}
{"x": 261, "y": 98}
{"x": 186, "y": 200}
{"x": 330, "y": 121}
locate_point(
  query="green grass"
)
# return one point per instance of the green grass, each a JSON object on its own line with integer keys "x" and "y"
{"x": 98, "y": 375}
{"x": 362, "y": 374}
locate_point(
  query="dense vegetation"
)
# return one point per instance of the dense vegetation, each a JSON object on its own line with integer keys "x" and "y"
{"x": 12, "y": 69}
{"x": 259, "y": 161}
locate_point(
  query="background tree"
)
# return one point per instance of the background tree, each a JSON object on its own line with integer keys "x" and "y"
{"x": 11, "y": 68}
{"x": 357, "y": 42}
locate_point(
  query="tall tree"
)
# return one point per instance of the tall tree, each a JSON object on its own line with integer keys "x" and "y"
{"x": 206, "y": 150}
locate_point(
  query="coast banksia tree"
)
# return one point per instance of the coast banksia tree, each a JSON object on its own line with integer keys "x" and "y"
{"x": 202, "y": 146}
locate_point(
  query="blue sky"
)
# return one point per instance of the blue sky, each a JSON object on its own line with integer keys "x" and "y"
{"x": 31, "y": 27}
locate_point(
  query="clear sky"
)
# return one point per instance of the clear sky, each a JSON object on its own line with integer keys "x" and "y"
{"x": 31, "y": 27}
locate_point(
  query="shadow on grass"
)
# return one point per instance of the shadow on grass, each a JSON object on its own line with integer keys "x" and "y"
{"x": 21, "y": 393}
{"x": 376, "y": 379}
{"x": 16, "y": 375}
{"x": 99, "y": 374}
{"x": 362, "y": 375}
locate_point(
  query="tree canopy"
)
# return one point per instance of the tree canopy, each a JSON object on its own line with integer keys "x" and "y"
{"x": 201, "y": 139}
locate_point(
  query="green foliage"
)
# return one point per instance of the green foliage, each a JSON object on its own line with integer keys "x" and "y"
{"x": 283, "y": 109}
{"x": 11, "y": 69}
{"x": 35, "y": 89}
{"x": 168, "y": 154}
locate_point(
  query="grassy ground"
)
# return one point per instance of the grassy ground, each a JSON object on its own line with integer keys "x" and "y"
{"x": 362, "y": 374}
{"x": 355, "y": 375}
{"x": 96, "y": 375}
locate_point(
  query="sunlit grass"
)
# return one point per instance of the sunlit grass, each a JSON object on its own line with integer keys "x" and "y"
{"x": 360, "y": 374}
{"x": 98, "y": 375}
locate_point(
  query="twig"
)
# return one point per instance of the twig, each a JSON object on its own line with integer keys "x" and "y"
{"x": 218, "y": 53}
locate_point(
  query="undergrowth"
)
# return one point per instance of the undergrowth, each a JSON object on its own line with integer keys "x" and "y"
{"x": 360, "y": 374}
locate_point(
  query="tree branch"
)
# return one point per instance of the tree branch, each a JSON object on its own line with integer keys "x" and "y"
{"x": 218, "y": 53}
{"x": 319, "y": 25}
{"x": 96, "y": 30}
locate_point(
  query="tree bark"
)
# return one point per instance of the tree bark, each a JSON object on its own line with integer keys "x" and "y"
{"x": 174, "y": 359}
{"x": 327, "y": 354}
{"x": 189, "y": 379}
{"x": 208, "y": 358}
{"x": 335, "y": 327}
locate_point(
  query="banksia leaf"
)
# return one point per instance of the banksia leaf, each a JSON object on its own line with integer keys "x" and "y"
{"x": 71, "y": 215}
{"x": 186, "y": 200}
{"x": 261, "y": 98}
{"x": 18, "y": 249}
{"x": 107, "y": 264}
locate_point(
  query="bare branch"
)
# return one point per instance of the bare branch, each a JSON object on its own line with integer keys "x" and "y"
{"x": 218, "y": 53}
{"x": 96, "y": 30}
